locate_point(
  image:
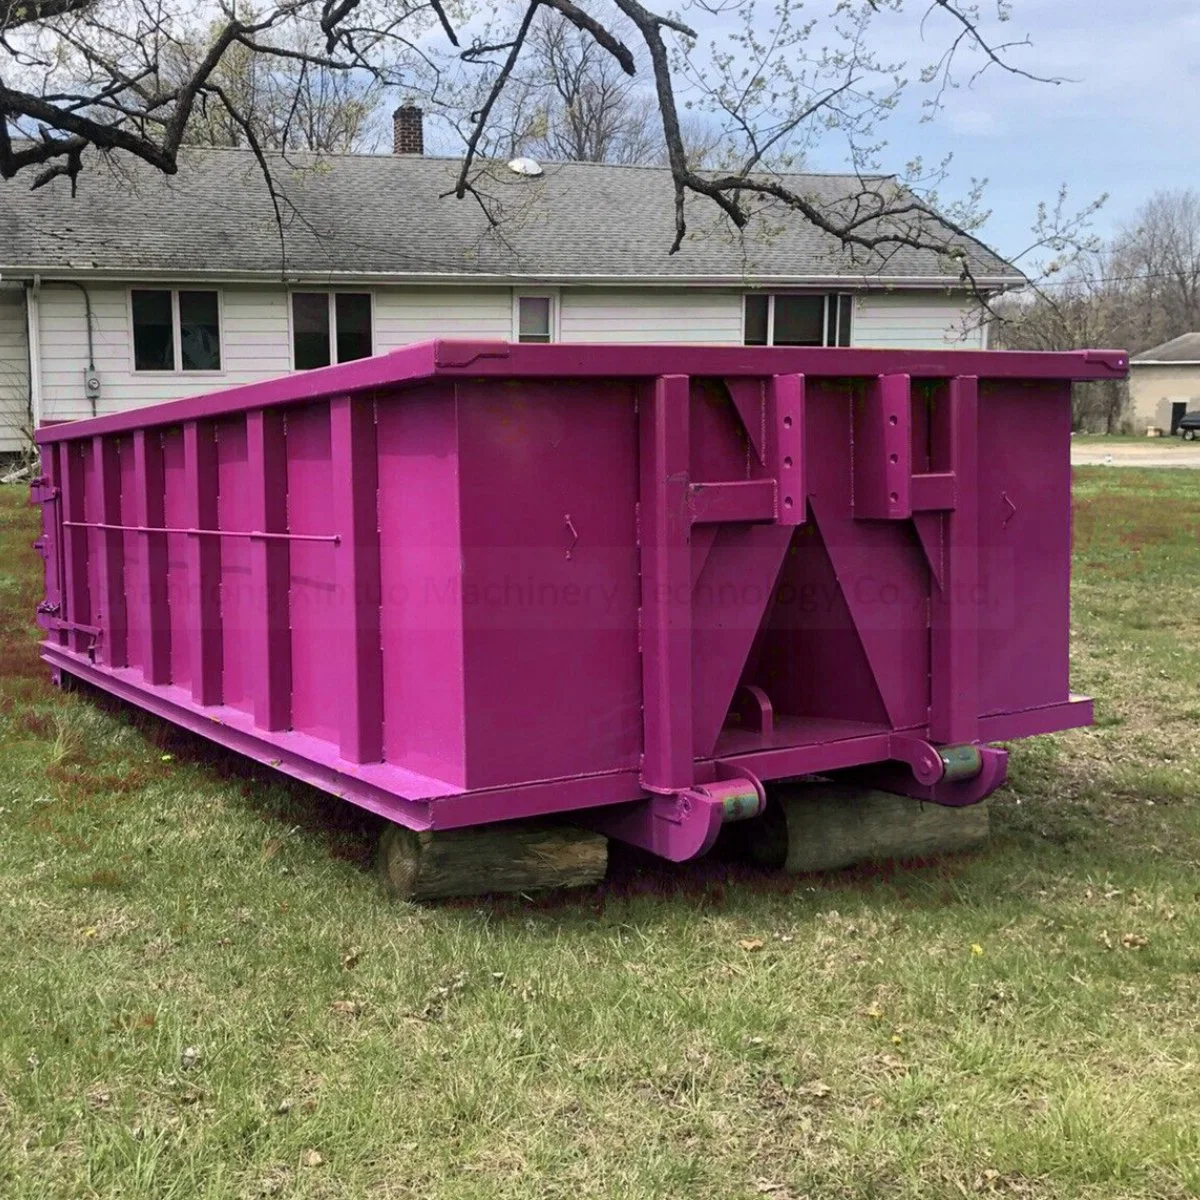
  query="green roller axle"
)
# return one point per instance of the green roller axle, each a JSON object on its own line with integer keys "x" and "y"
{"x": 960, "y": 762}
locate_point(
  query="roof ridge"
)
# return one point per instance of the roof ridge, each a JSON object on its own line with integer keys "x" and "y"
{"x": 379, "y": 217}
{"x": 545, "y": 162}
{"x": 1151, "y": 355}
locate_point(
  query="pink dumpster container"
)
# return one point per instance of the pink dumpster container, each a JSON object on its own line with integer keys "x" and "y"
{"x": 469, "y": 582}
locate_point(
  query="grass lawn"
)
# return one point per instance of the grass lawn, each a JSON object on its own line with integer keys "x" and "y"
{"x": 203, "y": 993}
{"x": 1127, "y": 439}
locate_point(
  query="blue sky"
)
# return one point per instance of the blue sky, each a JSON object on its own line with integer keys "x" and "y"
{"x": 1128, "y": 123}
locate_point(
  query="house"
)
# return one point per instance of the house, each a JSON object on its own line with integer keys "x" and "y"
{"x": 1164, "y": 383}
{"x": 144, "y": 287}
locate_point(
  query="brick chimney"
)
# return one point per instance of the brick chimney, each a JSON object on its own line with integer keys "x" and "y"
{"x": 408, "y": 129}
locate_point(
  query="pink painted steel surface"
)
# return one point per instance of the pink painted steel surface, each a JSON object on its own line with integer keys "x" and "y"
{"x": 466, "y": 582}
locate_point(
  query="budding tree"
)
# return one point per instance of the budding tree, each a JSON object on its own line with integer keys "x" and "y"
{"x": 1084, "y": 306}
{"x": 283, "y": 101}
{"x": 1135, "y": 291}
{"x": 1157, "y": 257}
{"x": 569, "y": 100}
{"x": 770, "y": 83}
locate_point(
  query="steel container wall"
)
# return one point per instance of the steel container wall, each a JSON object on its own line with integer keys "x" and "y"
{"x": 466, "y": 582}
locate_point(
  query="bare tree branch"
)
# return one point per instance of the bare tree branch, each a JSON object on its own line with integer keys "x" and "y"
{"x": 461, "y": 186}
{"x": 603, "y": 37}
{"x": 138, "y": 78}
{"x": 993, "y": 52}
{"x": 16, "y": 13}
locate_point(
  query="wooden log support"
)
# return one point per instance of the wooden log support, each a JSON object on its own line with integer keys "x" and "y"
{"x": 824, "y": 827}
{"x": 511, "y": 856}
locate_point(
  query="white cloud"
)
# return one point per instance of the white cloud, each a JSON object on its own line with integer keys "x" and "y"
{"x": 1124, "y": 123}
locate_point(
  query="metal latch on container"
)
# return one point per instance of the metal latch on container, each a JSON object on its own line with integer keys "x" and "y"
{"x": 42, "y": 491}
{"x": 95, "y": 632}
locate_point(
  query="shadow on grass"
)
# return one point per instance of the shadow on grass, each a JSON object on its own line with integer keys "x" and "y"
{"x": 341, "y": 830}
{"x": 721, "y": 880}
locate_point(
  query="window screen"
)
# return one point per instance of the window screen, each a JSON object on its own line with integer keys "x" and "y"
{"x": 533, "y": 318}
{"x": 199, "y": 331}
{"x": 310, "y": 330}
{"x": 756, "y": 320}
{"x": 784, "y": 320}
{"x": 353, "y": 311}
{"x": 799, "y": 321}
{"x": 153, "y": 331}
{"x": 844, "y": 305}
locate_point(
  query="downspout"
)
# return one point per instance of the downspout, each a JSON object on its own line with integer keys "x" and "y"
{"x": 87, "y": 317}
{"x": 33, "y": 343}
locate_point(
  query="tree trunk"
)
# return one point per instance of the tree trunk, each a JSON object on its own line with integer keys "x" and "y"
{"x": 510, "y": 856}
{"x": 821, "y": 827}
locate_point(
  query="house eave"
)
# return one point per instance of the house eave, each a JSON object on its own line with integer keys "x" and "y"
{"x": 872, "y": 283}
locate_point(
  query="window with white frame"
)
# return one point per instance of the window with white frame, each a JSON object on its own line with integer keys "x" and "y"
{"x": 797, "y": 319}
{"x": 175, "y": 329}
{"x": 533, "y": 317}
{"x": 330, "y": 327}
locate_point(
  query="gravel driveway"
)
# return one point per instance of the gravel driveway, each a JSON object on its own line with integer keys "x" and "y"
{"x": 1156, "y": 452}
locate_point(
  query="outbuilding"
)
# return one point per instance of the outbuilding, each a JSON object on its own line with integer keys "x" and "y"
{"x": 1164, "y": 383}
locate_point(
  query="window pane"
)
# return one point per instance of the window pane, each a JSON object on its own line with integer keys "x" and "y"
{"x": 153, "y": 337}
{"x": 310, "y": 329}
{"x": 353, "y": 325}
{"x": 533, "y": 319}
{"x": 799, "y": 320}
{"x": 845, "y": 305}
{"x": 756, "y": 320}
{"x": 199, "y": 331}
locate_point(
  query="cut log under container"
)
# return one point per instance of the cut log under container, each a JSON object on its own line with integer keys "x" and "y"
{"x": 812, "y": 827}
{"x": 470, "y": 583}
{"x": 507, "y": 856}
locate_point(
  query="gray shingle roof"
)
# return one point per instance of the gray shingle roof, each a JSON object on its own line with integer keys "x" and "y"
{"x": 388, "y": 216}
{"x": 1183, "y": 349}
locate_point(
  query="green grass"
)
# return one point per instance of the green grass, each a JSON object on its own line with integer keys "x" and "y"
{"x": 1023, "y": 1022}
{"x": 1128, "y": 439}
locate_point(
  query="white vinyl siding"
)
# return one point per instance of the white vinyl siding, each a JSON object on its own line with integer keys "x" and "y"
{"x": 14, "y": 370}
{"x": 650, "y": 315}
{"x": 419, "y": 314}
{"x": 915, "y": 320}
{"x": 256, "y": 334}
{"x": 254, "y": 345}
{"x": 256, "y": 340}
